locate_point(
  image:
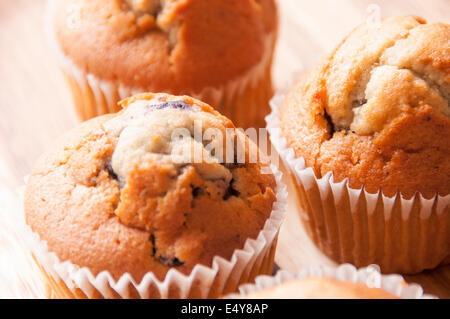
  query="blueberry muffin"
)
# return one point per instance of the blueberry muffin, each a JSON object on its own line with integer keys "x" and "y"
{"x": 153, "y": 190}
{"x": 372, "y": 123}
{"x": 217, "y": 51}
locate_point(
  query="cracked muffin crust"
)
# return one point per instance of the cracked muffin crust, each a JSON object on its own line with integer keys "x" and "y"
{"x": 173, "y": 46}
{"x": 376, "y": 111}
{"x": 119, "y": 193}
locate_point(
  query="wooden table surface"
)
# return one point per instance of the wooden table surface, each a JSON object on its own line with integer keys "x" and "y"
{"x": 36, "y": 105}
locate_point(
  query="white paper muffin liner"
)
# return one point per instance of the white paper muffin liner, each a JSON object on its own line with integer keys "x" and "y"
{"x": 355, "y": 226}
{"x": 255, "y": 258}
{"x": 101, "y": 96}
{"x": 369, "y": 276}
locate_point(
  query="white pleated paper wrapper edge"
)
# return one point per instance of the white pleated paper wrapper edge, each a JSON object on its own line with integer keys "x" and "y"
{"x": 241, "y": 261}
{"x": 326, "y": 185}
{"x": 108, "y": 90}
{"x": 369, "y": 276}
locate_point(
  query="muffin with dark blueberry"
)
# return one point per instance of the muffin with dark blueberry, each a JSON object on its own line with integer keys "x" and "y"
{"x": 153, "y": 190}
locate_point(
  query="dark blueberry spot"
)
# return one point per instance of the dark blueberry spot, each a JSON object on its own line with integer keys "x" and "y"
{"x": 181, "y": 169}
{"x": 170, "y": 262}
{"x": 231, "y": 191}
{"x": 152, "y": 240}
{"x": 196, "y": 191}
{"x": 166, "y": 261}
{"x": 359, "y": 102}
{"x": 330, "y": 123}
{"x": 111, "y": 172}
{"x": 179, "y": 105}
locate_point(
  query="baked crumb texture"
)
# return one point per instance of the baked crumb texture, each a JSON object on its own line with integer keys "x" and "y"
{"x": 376, "y": 111}
{"x": 110, "y": 197}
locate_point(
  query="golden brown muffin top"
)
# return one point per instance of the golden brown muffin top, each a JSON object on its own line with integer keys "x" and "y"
{"x": 320, "y": 288}
{"x": 123, "y": 193}
{"x": 176, "y": 44}
{"x": 377, "y": 109}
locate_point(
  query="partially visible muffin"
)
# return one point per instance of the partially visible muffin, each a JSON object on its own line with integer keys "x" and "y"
{"x": 341, "y": 282}
{"x": 218, "y": 51}
{"x": 371, "y": 123}
{"x": 147, "y": 190}
{"x": 320, "y": 288}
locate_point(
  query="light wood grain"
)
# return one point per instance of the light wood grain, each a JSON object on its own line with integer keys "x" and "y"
{"x": 296, "y": 250}
{"x": 36, "y": 106}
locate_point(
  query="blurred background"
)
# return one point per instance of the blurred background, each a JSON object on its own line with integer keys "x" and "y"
{"x": 36, "y": 106}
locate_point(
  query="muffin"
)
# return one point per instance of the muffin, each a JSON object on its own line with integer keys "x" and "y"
{"x": 318, "y": 288}
{"x": 142, "y": 204}
{"x": 344, "y": 282}
{"x": 217, "y": 51}
{"x": 365, "y": 134}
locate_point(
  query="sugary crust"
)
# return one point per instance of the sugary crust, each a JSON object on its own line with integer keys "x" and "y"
{"x": 179, "y": 45}
{"x": 376, "y": 111}
{"x": 320, "y": 288}
{"x": 162, "y": 216}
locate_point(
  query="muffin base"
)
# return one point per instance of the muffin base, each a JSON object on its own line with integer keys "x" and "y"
{"x": 66, "y": 280}
{"x": 352, "y": 225}
{"x": 363, "y": 237}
